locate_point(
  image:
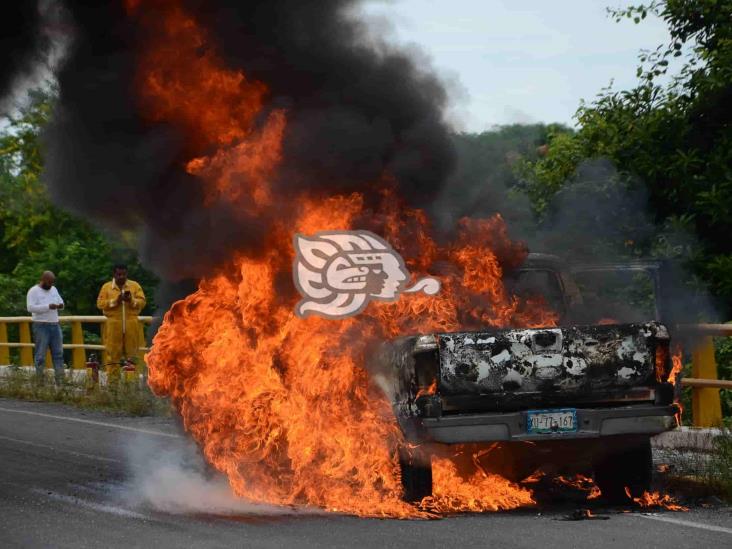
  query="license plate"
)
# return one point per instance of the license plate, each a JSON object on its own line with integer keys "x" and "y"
{"x": 552, "y": 421}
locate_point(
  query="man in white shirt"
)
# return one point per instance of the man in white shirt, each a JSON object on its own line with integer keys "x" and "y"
{"x": 43, "y": 302}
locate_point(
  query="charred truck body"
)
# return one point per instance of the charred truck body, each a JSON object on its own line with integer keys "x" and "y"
{"x": 591, "y": 390}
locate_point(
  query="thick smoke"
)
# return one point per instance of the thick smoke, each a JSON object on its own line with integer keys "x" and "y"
{"x": 355, "y": 110}
{"x": 33, "y": 39}
{"x": 173, "y": 477}
{"x": 20, "y": 41}
{"x": 599, "y": 216}
{"x": 484, "y": 178}
{"x": 596, "y": 216}
{"x": 360, "y": 107}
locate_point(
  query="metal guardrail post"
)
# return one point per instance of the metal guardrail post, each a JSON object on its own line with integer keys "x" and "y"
{"x": 78, "y": 355}
{"x": 706, "y": 407}
{"x": 141, "y": 366}
{"x": 4, "y": 351}
{"x": 103, "y": 356}
{"x": 26, "y": 353}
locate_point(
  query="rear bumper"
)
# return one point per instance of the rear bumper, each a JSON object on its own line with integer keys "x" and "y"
{"x": 591, "y": 422}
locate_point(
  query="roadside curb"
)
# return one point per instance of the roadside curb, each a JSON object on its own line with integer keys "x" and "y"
{"x": 689, "y": 438}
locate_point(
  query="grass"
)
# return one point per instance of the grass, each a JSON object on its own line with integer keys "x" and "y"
{"x": 721, "y": 462}
{"x": 123, "y": 398}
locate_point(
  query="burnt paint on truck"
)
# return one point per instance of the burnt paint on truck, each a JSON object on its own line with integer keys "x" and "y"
{"x": 506, "y": 369}
{"x": 566, "y": 359}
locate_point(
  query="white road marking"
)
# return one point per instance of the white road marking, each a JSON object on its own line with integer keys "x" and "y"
{"x": 90, "y": 422}
{"x": 681, "y": 522}
{"x": 56, "y": 449}
{"x": 120, "y": 511}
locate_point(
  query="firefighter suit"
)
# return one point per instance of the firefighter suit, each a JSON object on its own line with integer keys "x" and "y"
{"x": 122, "y": 318}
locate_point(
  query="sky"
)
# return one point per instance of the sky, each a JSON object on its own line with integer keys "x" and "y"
{"x": 519, "y": 61}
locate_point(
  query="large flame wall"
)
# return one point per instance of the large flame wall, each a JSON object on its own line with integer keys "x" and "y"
{"x": 284, "y": 406}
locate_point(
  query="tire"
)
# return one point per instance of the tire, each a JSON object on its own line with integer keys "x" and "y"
{"x": 416, "y": 470}
{"x": 625, "y": 465}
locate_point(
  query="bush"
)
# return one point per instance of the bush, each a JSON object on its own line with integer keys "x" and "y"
{"x": 126, "y": 398}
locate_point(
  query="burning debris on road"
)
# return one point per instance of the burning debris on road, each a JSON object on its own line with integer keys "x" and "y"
{"x": 654, "y": 499}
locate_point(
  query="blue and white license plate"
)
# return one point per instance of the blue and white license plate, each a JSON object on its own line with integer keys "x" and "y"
{"x": 551, "y": 421}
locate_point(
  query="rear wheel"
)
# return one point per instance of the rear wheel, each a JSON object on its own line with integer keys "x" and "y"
{"x": 624, "y": 465}
{"x": 416, "y": 469}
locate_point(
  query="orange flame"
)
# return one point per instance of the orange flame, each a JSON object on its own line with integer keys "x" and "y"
{"x": 285, "y": 406}
{"x": 182, "y": 80}
{"x": 480, "y": 492}
{"x": 581, "y": 482}
{"x": 654, "y": 499}
{"x": 426, "y": 391}
{"x": 534, "y": 477}
{"x": 677, "y": 365}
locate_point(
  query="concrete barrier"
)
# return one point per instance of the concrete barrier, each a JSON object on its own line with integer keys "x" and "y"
{"x": 72, "y": 375}
{"x": 687, "y": 438}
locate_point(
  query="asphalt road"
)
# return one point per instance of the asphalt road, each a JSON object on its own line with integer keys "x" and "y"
{"x": 70, "y": 479}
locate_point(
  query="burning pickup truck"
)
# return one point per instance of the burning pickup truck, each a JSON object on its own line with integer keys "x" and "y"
{"x": 594, "y": 389}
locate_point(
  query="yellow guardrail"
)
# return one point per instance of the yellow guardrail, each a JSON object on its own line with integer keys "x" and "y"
{"x": 706, "y": 406}
{"x": 715, "y": 383}
{"x": 77, "y": 345}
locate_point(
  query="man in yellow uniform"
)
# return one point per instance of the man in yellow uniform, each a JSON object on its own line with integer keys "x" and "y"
{"x": 121, "y": 301}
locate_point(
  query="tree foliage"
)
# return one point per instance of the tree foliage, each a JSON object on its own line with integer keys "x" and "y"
{"x": 670, "y": 135}
{"x": 37, "y": 236}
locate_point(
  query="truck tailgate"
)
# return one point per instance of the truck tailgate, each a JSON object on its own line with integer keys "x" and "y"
{"x": 577, "y": 359}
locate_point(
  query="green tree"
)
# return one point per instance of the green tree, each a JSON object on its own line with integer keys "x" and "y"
{"x": 670, "y": 135}
{"x": 35, "y": 235}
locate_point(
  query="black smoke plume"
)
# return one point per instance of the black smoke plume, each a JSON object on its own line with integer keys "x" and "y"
{"x": 355, "y": 110}
{"x": 23, "y": 43}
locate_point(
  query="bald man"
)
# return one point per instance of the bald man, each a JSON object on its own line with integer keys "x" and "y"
{"x": 44, "y": 302}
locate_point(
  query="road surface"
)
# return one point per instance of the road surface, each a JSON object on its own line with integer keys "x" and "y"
{"x": 68, "y": 479}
